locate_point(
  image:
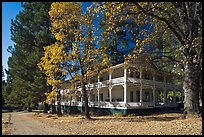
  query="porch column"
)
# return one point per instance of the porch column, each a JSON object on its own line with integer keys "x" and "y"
{"x": 98, "y": 88}
{"x": 154, "y": 87}
{"x": 110, "y": 75}
{"x": 81, "y": 98}
{"x": 141, "y": 93}
{"x": 89, "y": 98}
{"x": 98, "y": 95}
{"x": 165, "y": 92}
{"x": 110, "y": 95}
{"x": 88, "y": 92}
{"x": 125, "y": 84}
{"x": 140, "y": 84}
{"x": 110, "y": 85}
{"x": 98, "y": 81}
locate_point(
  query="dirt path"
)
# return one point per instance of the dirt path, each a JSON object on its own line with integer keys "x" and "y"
{"x": 23, "y": 124}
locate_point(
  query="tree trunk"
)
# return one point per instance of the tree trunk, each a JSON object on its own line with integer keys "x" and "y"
{"x": 200, "y": 92}
{"x": 191, "y": 89}
{"x": 70, "y": 105}
{"x": 53, "y": 108}
{"x": 85, "y": 100}
{"x": 29, "y": 109}
{"x": 46, "y": 106}
{"x": 59, "y": 112}
{"x": 45, "y": 110}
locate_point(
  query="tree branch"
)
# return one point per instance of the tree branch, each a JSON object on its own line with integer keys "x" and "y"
{"x": 165, "y": 21}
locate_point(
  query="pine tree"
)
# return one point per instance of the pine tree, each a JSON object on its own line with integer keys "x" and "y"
{"x": 30, "y": 32}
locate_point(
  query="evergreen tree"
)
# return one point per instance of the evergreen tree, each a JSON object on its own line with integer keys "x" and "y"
{"x": 3, "y": 73}
{"x": 30, "y": 32}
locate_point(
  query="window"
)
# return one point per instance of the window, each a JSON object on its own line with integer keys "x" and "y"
{"x": 93, "y": 97}
{"x": 101, "y": 79}
{"x": 137, "y": 96}
{"x": 78, "y": 98}
{"x": 131, "y": 96}
{"x": 101, "y": 96}
{"x": 147, "y": 96}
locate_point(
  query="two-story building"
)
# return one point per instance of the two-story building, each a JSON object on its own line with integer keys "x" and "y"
{"x": 127, "y": 87}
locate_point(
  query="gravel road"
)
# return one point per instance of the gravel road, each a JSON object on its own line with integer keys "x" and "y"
{"x": 23, "y": 124}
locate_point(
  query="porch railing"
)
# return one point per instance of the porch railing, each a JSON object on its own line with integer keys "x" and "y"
{"x": 133, "y": 80}
{"x": 111, "y": 104}
{"x": 130, "y": 80}
{"x": 104, "y": 83}
{"x": 117, "y": 80}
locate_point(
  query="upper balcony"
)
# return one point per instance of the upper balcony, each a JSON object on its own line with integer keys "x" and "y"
{"x": 121, "y": 80}
{"x": 121, "y": 73}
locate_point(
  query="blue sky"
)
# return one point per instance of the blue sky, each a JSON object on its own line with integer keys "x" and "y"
{"x": 9, "y": 11}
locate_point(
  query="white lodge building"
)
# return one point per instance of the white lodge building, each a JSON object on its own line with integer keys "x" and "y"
{"x": 128, "y": 87}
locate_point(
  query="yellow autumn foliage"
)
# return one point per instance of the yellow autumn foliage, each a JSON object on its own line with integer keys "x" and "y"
{"x": 50, "y": 64}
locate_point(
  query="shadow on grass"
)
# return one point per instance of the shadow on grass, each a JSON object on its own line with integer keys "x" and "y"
{"x": 138, "y": 118}
{"x": 146, "y": 116}
{"x": 148, "y": 119}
